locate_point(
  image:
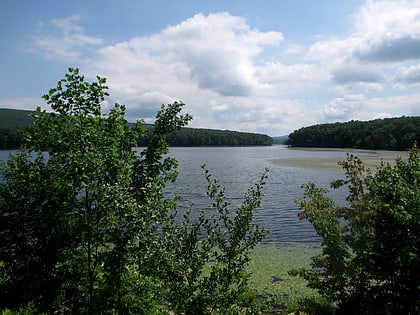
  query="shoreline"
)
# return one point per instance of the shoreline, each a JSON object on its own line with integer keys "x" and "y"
{"x": 370, "y": 158}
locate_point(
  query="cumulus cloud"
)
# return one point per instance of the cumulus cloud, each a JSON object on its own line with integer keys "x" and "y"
{"x": 342, "y": 108}
{"x": 203, "y": 60}
{"x": 389, "y": 31}
{"x": 385, "y": 34}
{"x": 214, "y": 52}
{"x": 277, "y": 72}
{"x": 390, "y": 50}
{"x": 232, "y": 76}
{"x": 407, "y": 76}
{"x": 361, "y": 107}
{"x": 68, "y": 41}
{"x": 219, "y": 50}
{"x": 356, "y": 74}
{"x": 388, "y": 19}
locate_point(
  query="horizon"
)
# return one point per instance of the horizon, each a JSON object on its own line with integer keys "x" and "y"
{"x": 241, "y": 65}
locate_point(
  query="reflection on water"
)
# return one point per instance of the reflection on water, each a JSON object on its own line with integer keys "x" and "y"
{"x": 237, "y": 168}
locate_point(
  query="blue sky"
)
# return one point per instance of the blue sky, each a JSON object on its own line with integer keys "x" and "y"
{"x": 259, "y": 66}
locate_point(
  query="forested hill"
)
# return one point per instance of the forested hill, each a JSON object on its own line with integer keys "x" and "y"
{"x": 388, "y": 134}
{"x": 12, "y": 121}
{"x": 195, "y": 137}
{"x": 15, "y": 118}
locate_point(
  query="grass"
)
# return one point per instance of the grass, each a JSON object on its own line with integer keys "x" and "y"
{"x": 270, "y": 280}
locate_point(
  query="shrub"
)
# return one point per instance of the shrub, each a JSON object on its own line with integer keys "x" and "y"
{"x": 370, "y": 260}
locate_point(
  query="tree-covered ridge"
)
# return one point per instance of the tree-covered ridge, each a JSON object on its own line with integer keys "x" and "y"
{"x": 197, "y": 137}
{"x": 16, "y": 118}
{"x": 13, "y": 121}
{"x": 390, "y": 133}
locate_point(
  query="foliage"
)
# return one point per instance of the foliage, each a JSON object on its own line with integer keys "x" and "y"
{"x": 15, "y": 118}
{"x": 211, "y": 137}
{"x": 10, "y": 137}
{"x": 370, "y": 258}
{"x": 86, "y": 227}
{"x": 13, "y": 121}
{"x": 389, "y": 133}
{"x": 225, "y": 238}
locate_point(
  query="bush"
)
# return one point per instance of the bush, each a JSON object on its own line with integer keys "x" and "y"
{"x": 370, "y": 258}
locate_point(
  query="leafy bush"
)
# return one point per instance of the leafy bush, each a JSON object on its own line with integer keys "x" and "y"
{"x": 370, "y": 260}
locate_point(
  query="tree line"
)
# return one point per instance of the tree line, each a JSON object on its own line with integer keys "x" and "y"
{"x": 12, "y": 122}
{"x": 197, "y": 137}
{"x": 10, "y": 137}
{"x": 390, "y": 133}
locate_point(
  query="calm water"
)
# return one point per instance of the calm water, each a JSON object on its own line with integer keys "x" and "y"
{"x": 238, "y": 168}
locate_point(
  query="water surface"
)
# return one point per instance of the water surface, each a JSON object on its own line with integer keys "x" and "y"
{"x": 237, "y": 168}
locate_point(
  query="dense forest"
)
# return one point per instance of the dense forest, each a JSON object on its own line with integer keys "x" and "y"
{"x": 195, "y": 137}
{"x": 390, "y": 133}
{"x": 13, "y": 121}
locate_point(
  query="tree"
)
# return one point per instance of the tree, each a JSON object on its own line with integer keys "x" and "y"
{"x": 390, "y": 133}
{"x": 86, "y": 226}
{"x": 370, "y": 248}
{"x": 69, "y": 207}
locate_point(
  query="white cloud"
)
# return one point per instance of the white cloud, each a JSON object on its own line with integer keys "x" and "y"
{"x": 360, "y": 107}
{"x": 389, "y": 31}
{"x": 385, "y": 34}
{"x": 388, "y": 19}
{"x": 356, "y": 74}
{"x": 67, "y": 42}
{"x": 342, "y": 108}
{"x": 207, "y": 61}
{"x": 399, "y": 105}
{"x": 214, "y": 52}
{"x": 408, "y": 76}
{"x": 234, "y": 77}
{"x": 279, "y": 73}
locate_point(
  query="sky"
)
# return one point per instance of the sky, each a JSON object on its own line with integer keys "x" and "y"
{"x": 269, "y": 66}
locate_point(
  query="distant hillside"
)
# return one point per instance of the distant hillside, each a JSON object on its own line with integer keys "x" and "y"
{"x": 12, "y": 121}
{"x": 387, "y": 134}
{"x": 15, "y": 118}
{"x": 198, "y": 137}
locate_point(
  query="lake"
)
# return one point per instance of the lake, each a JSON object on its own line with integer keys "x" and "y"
{"x": 237, "y": 168}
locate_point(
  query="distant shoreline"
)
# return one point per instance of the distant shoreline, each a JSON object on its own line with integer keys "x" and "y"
{"x": 371, "y": 158}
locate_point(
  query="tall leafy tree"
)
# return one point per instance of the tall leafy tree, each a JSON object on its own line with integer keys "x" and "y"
{"x": 70, "y": 202}
{"x": 86, "y": 226}
{"x": 370, "y": 248}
